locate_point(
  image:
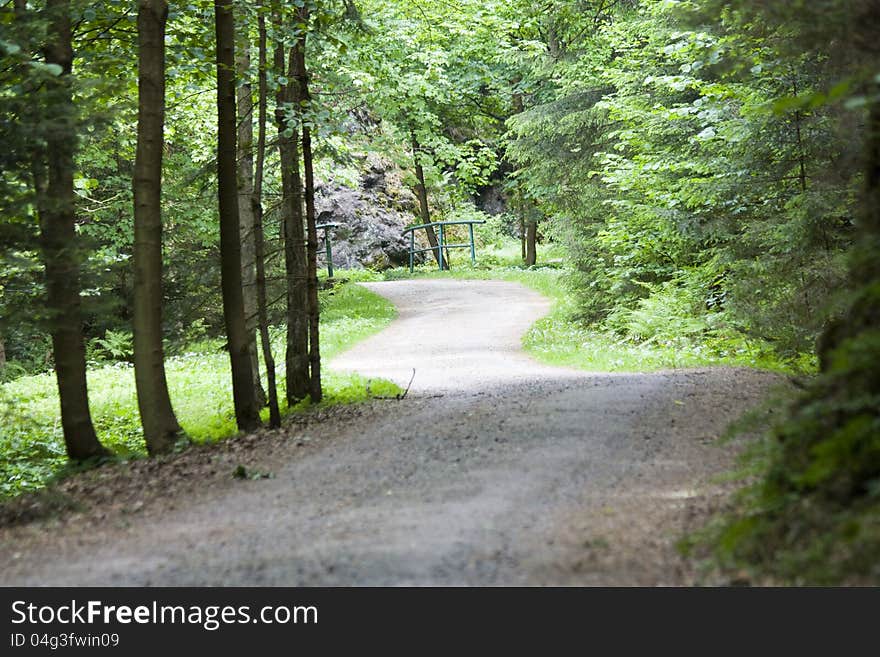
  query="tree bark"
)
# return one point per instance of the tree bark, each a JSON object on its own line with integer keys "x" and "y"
{"x": 798, "y": 118}
{"x": 302, "y": 100}
{"x": 531, "y": 237}
{"x": 297, "y": 352}
{"x": 246, "y": 409}
{"x": 157, "y": 417}
{"x": 422, "y": 193}
{"x": 259, "y": 250}
{"x": 870, "y": 223}
{"x": 56, "y": 209}
{"x": 245, "y": 106}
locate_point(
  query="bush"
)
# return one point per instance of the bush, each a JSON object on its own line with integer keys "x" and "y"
{"x": 671, "y": 313}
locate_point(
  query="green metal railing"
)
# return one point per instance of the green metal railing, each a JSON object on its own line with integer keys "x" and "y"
{"x": 440, "y": 241}
{"x": 328, "y": 246}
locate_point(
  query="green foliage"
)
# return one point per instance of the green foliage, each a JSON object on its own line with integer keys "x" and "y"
{"x": 670, "y": 313}
{"x": 810, "y": 513}
{"x": 115, "y": 345}
{"x": 695, "y": 168}
{"x": 685, "y": 201}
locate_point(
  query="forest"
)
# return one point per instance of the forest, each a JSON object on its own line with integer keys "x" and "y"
{"x": 691, "y": 183}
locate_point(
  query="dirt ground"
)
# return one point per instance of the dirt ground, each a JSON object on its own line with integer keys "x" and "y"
{"x": 494, "y": 470}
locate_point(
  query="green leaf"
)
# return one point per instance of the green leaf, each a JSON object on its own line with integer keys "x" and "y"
{"x": 10, "y": 48}
{"x": 51, "y": 69}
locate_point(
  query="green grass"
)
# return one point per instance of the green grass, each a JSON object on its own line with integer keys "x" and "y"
{"x": 31, "y": 442}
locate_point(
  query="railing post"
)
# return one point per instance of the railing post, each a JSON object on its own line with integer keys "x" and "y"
{"x": 440, "y": 246}
{"x": 473, "y": 251}
{"x": 412, "y": 249}
{"x": 329, "y": 253}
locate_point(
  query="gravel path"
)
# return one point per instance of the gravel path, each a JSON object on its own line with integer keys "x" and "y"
{"x": 494, "y": 470}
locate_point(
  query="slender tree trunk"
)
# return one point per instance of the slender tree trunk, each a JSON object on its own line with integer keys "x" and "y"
{"x": 519, "y": 108}
{"x": 422, "y": 194}
{"x": 531, "y": 236}
{"x": 802, "y": 167}
{"x": 245, "y": 107}
{"x": 2, "y": 355}
{"x": 297, "y": 353}
{"x": 259, "y": 249}
{"x": 871, "y": 216}
{"x": 157, "y": 417}
{"x": 246, "y": 409}
{"x": 303, "y": 99}
{"x": 865, "y": 266}
{"x": 56, "y": 209}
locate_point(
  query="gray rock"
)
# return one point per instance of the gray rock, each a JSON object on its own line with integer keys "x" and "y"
{"x": 371, "y": 219}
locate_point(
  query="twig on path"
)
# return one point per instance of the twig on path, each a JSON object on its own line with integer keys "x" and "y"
{"x": 397, "y": 397}
{"x": 403, "y": 396}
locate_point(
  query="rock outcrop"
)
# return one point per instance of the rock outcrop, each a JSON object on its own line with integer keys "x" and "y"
{"x": 371, "y": 218}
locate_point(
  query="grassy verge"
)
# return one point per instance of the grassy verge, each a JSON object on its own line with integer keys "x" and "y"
{"x": 31, "y": 443}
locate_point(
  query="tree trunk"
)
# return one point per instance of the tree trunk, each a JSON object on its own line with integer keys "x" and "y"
{"x": 2, "y": 355}
{"x": 798, "y": 119}
{"x": 245, "y": 107}
{"x": 303, "y": 98}
{"x": 157, "y": 417}
{"x": 246, "y": 410}
{"x": 870, "y": 224}
{"x": 422, "y": 193}
{"x": 519, "y": 108}
{"x": 863, "y": 313}
{"x": 297, "y": 354}
{"x": 259, "y": 250}
{"x": 531, "y": 235}
{"x": 59, "y": 244}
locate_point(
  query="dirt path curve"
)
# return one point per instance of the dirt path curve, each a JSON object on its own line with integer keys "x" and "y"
{"x": 494, "y": 470}
{"x": 461, "y": 337}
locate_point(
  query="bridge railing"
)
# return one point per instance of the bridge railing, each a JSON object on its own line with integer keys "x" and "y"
{"x": 441, "y": 243}
{"x": 327, "y": 245}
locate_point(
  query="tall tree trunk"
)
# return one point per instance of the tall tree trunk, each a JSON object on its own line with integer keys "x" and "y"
{"x": 297, "y": 352}
{"x": 259, "y": 249}
{"x": 245, "y": 107}
{"x": 870, "y": 224}
{"x": 303, "y": 100}
{"x": 58, "y": 241}
{"x": 531, "y": 236}
{"x": 157, "y": 417}
{"x": 422, "y": 193}
{"x": 246, "y": 410}
{"x": 798, "y": 119}
{"x": 525, "y": 232}
{"x": 863, "y": 312}
{"x": 2, "y": 355}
